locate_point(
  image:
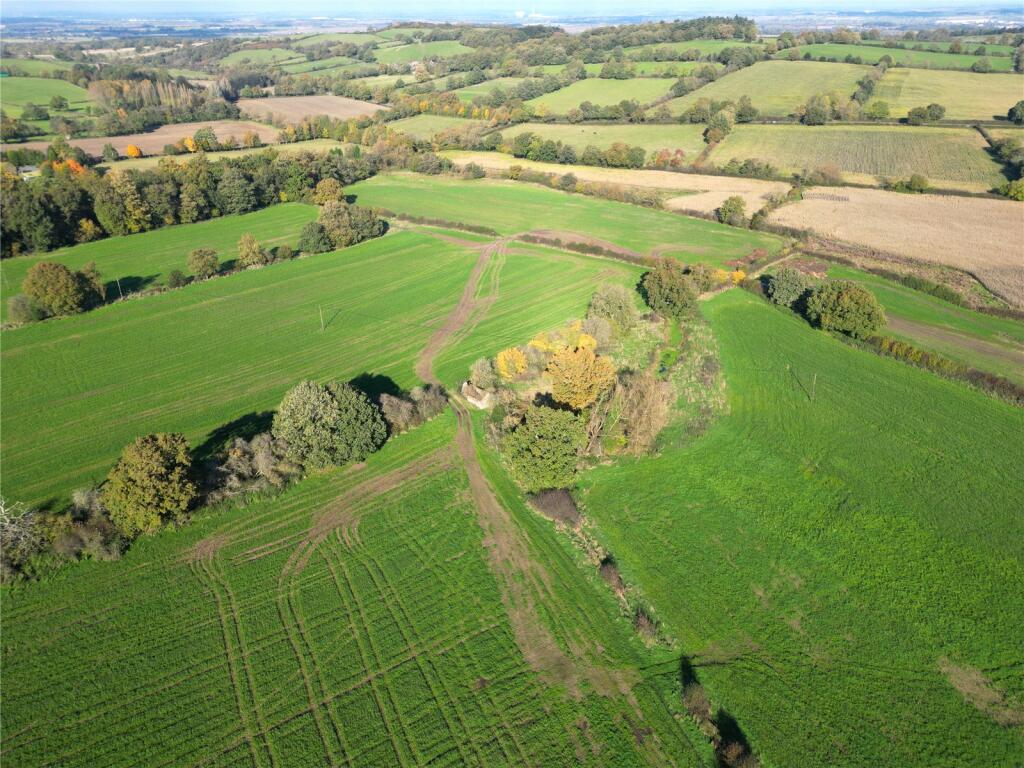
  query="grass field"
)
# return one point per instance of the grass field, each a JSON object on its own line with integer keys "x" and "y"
{"x": 949, "y": 157}
{"x": 15, "y": 92}
{"x": 510, "y": 208}
{"x": 965, "y": 95}
{"x": 261, "y": 56}
{"x": 403, "y": 54}
{"x": 147, "y": 258}
{"x": 484, "y": 89}
{"x": 777, "y": 87}
{"x": 651, "y": 137}
{"x": 870, "y": 54}
{"x": 313, "y": 145}
{"x": 820, "y": 561}
{"x": 603, "y": 93}
{"x": 316, "y": 66}
{"x": 356, "y": 38}
{"x": 425, "y": 126}
{"x": 34, "y": 67}
{"x": 969, "y": 44}
{"x": 704, "y": 46}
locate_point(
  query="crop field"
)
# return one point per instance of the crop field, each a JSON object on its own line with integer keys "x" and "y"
{"x": 33, "y": 67}
{"x": 261, "y": 56}
{"x": 15, "y": 92}
{"x": 404, "y": 54}
{"x": 965, "y": 233}
{"x": 147, "y": 258}
{"x": 983, "y": 341}
{"x": 484, "y": 89}
{"x": 426, "y": 126}
{"x": 291, "y": 148}
{"x": 950, "y": 157}
{"x": 651, "y": 137}
{"x": 705, "y": 47}
{"x": 316, "y": 66}
{"x": 511, "y": 208}
{"x": 965, "y": 95}
{"x": 870, "y": 54}
{"x": 822, "y": 556}
{"x": 153, "y": 143}
{"x": 294, "y": 108}
{"x": 603, "y": 93}
{"x": 777, "y": 87}
{"x": 682, "y": 191}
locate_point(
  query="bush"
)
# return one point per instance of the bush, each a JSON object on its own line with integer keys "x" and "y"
{"x": 176, "y": 279}
{"x": 615, "y": 304}
{"x": 202, "y": 263}
{"x": 1013, "y": 189}
{"x": 579, "y": 377}
{"x": 150, "y": 484}
{"x": 668, "y": 290}
{"x": 21, "y": 309}
{"x": 482, "y": 375}
{"x": 328, "y": 425}
{"x": 786, "y": 286}
{"x": 733, "y": 211}
{"x": 284, "y": 252}
{"x": 58, "y": 290}
{"x": 510, "y": 363}
{"x": 251, "y": 253}
{"x": 1016, "y": 113}
{"x": 543, "y": 450}
{"x": 840, "y": 305}
{"x": 314, "y": 239}
{"x": 473, "y": 171}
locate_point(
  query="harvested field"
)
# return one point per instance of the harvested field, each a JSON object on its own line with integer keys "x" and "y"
{"x": 980, "y": 236}
{"x": 693, "y": 192}
{"x": 294, "y": 108}
{"x": 154, "y": 142}
{"x": 965, "y": 95}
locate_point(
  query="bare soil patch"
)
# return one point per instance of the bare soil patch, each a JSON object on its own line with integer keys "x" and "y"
{"x": 984, "y": 237}
{"x": 979, "y": 692}
{"x": 292, "y": 109}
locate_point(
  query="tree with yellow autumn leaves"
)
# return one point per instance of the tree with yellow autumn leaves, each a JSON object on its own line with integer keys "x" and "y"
{"x": 579, "y": 376}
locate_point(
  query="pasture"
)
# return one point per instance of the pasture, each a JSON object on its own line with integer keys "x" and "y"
{"x": 291, "y": 148}
{"x": 603, "y": 93}
{"x": 33, "y": 67}
{"x": 260, "y": 56}
{"x": 511, "y": 208}
{"x": 705, "y": 47}
{"x": 965, "y": 95}
{"x": 870, "y": 54}
{"x": 425, "y": 126}
{"x": 332, "y": 62}
{"x": 777, "y": 87}
{"x": 651, "y": 137}
{"x": 355, "y": 38}
{"x": 406, "y": 54}
{"x": 146, "y": 259}
{"x": 825, "y": 563}
{"x": 292, "y": 109}
{"x": 15, "y": 92}
{"x": 484, "y": 89}
{"x": 954, "y": 158}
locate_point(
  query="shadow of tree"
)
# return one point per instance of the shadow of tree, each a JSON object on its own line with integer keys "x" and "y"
{"x": 247, "y": 427}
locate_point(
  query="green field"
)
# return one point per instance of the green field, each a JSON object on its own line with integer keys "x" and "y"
{"x": 949, "y": 157}
{"x": 554, "y": 69}
{"x": 34, "y": 67}
{"x": 15, "y": 92}
{"x": 969, "y": 44}
{"x": 511, "y": 207}
{"x": 705, "y": 47}
{"x": 331, "y": 63}
{"x": 261, "y": 56}
{"x": 870, "y": 54}
{"x": 603, "y": 93}
{"x": 965, "y": 95}
{"x": 777, "y": 87}
{"x": 404, "y": 54}
{"x": 653, "y": 137}
{"x": 426, "y": 126}
{"x": 484, "y": 89}
{"x": 355, "y": 38}
{"x": 312, "y": 145}
{"x": 818, "y": 560}
{"x": 147, "y": 258}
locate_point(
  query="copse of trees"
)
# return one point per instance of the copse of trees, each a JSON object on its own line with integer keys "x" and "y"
{"x": 56, "y": 290}
{"x": 846, "y": 307}
{"x": 668, "y": 289}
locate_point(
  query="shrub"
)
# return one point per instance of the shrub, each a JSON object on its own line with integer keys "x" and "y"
{"x": 668, "y": 290}
{"x": 579, "y": 377}
{"x": 482, "y": 375}
{"x": 58, "y": 290}
{"x": 733, "y": 211}
{"x": 644, "y": 403}
{"x": 314, "y": 239}
{"x": 510, "y": 363}
{"x": 430, "y": 400}
{"x": 328, "y": 425}
{"x": 109, "y": 153}
{"x": 786, "y": 286}
{"x": 327, "y": 190}
{"x": 473, "y": 171}
{"x": 1016, "y": 113}
{"x": 567, "y": 182}
{"x": 251, "y": 253}
{"x": 176, "y": 279}
{"x": 21, "y": 309}
{"x": 399, "y": 413}
{"x": 150, "y": 484}
{"x": 543, "y": 450}
{"x": 615, "y": 304}
{"x": 1013, "y": 189}
{"x": 284, "y": 252}
{"x": 202, "y": 263}
{"x": 840, "y": 305}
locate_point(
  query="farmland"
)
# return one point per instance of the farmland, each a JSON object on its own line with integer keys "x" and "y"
{"x": 331, "y": 62}
{"x": 966, "y": 95}
{"x": 777, "y": 87}
{"x": 295, "y": 108}
{"x": 18, "y": 91}
{"x": 404, "y": 54}
{"x": 772, "y": 545}
{"x": 145, "y": 259}
{"x": 950, "y": 157}
{"x": 870, "y": 54}
{"x": 426, "y": 126}
{"x": 355, "y": 38}
{"x": 483, "y": 89}
{"x": 651, "y": 137}
{"x": 705, "y": 47}
{"x": 261, "y": 56}
{"x": 603, "y": 93}
{"x": 33, "y": 67}
{"x": 291, "y": 148}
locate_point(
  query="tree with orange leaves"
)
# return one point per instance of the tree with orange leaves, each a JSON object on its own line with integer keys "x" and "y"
{"x": 579, "y": 376}
{"x": 132, "y": 151}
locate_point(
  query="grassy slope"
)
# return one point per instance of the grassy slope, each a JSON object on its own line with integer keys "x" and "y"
{"x": 15, "y": 92}
{"x": 312, "y": 145}
{"x": 602, "y": 92}
{"x": 356, "y": 38}
{"x": 870, "y": 54}
{"x": 396, "y": 633}
{"x": 261, "y": 56}
{"x": 650, "y": 137}
{"x": 403, "y": 54}
{"x": 149, "y": 257}
{"x": 953, "y": 157}
{"x": 777, "y": 87}
{"x": 425, "y": 126}
{"x": 484, "y": 89}
{"x": 830, "y": 553}
{"x": 34, "y": 66}
{"x": 704, "y": 46}
{"x": 315, "y": 66}
{"x": 511, "y": 207}
{"x": 965, "y": 95}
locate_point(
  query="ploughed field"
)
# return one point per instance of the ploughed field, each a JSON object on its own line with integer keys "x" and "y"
{"x": 293, "y": 109}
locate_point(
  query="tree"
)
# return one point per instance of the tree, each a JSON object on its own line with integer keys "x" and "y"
{"x": 732, "y": 211}
{"x": 132, "y": 151}
{"x": 917, "y": 116}
{"x": 1016, "y": 113}
{"x": 668, "y": 290}
{"x": 251, "y": 253}
{"x": 1018, "y": 59}
{"x": 328, "y": 189}
{"x": 21, "y": 309}
{"x": 510, "y": 363}
{"x": 205, "y": 139}
{"x": 150, "y": 484}
{"x": 839, "y": 305}
{"x": 482, "y": 374}
{"x": 314, "y": 239}
{"x": 579, "y": 377}
{"x": 543, "y": 451}
{"x": 786, "y": 286}
{"x": 982, "y": 65}
{"x": 817, "y": 110}
{"x": 349, "y": 224}
{"x": 202, "y": 263}
{"x": 745, "y": 110}
{"x": 57, "y": 289}
{"x": 58, "y": 103}
{"x": 935, "y": 112}
{"x": 109, "y": 153}
{"x": 615, "y": 304}
{"x": 176, "y": 279}
{"x": 328, "y": 425}
{"x": 877, "y": 110}
{"x": 235, "y": 192}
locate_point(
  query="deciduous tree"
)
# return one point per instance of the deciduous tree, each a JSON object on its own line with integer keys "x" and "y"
{"x": 543, "y": 450}
{"x": 579, "y": 376}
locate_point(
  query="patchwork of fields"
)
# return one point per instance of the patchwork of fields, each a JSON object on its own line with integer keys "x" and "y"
{"x": 652, "y": 138}
{"x": 405, "y": 54}
{"x": 965, "y": 95}
{"x": 16, "y": 92}
{"x": 871, "y": 54}
{"x": 603, "y": 93}
{"x": 426, "y": 126}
